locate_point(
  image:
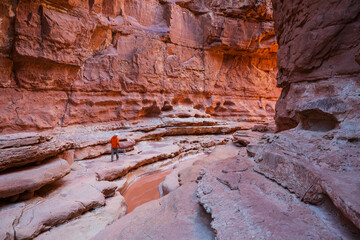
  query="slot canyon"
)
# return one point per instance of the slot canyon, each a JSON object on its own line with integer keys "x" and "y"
{"x": 236, "y": 119}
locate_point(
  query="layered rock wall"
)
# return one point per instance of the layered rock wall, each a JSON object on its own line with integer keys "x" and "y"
{"x": 316, "y": 154}
{"x": 319, "y": 64}
{"x": 68, "y": 62}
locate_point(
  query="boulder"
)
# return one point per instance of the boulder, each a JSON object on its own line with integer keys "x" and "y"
{"x": 68, "y": 156}
{"x": 106, "y": 188}
{"x": 244, "y": 138}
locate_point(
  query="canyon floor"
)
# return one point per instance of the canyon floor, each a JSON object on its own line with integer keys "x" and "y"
{"x": 213, "y": 187}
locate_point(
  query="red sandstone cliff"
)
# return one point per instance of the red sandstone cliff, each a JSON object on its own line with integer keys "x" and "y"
{"x": 68, "y": 62}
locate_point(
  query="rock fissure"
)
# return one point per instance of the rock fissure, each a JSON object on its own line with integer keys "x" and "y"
{"x": 62, "y": 119}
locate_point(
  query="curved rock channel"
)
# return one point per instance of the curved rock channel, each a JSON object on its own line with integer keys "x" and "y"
{"x": 88, "y": 196}
{"x": 146, "y": 184}
{"x": 144, "y": 189}
{"x": 208, "y": 174}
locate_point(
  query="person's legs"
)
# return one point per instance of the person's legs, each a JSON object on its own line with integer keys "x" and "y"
{"x": 112, "y": 153}
{"x": 117, "y": 153}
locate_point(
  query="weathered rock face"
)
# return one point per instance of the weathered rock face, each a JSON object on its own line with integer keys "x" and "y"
{"x": 320, "y": 83}
{"x": 75, "y": 62}
{"x": 318, "y": 60}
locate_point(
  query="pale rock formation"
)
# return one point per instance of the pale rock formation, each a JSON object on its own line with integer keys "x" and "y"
{"x": 89, "y": 224}
{"x": 175, "y": 216}
{"x": 32, "y": 178}
{"x": 24, "y": 148}
{"x": 246, "y": 205}
{"x": 57, "y": 210}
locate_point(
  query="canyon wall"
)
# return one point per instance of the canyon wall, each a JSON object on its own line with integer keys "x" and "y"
{"x": 66, "y": 62}
{"x": 319, "y": 64}
{"x": 316, "y": 154}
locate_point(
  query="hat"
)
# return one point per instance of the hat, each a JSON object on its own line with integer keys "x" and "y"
{"x": 116, "y": 134}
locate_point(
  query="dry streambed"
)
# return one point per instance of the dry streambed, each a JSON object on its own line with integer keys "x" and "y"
{"x": 88, "y": 196}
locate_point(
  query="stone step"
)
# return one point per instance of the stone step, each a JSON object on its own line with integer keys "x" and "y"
{"x": 32, "y": 178}
{"x": 67, "y": 204}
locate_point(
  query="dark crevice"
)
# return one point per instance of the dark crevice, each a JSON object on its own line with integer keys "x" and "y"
{"x": 205, "y": 218}
{"x": 91, "y": 4}
{"x": 317, "y": 120}
{"x": 331, "y": 215}
{"x": 62, "y": 119}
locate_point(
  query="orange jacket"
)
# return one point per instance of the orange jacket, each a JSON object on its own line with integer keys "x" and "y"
{"x": 114, "y": 142}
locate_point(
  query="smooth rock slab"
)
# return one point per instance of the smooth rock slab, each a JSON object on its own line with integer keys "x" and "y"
{"x": 106, "y": 188}
{"x": 175, "y": 216}
{"x": 9, "y": 214}
{"x": 97, "y": 150}
{"x": 89, "y": 224}
{"x": 243, "y": 138}
{"x": 32, "y": 178}
{"x": 149, "y": 153}
{"x": 188, "y": 170}
{"x": 48, "y": 213}
{"x": 195, "y": 130}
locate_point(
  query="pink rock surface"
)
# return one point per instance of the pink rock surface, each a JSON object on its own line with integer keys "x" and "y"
{"x": 68, "y": 156}
{"x": 9, "y": 214}
{"x": 314, "y": 165}
{"x": 57, "y": 210}
{"x": 21, "y": 149}
{"x": 90, "y": 223}
{"x": 32, "y": 178}
{"x": 246, "y": 205}
{"x": 162, "y": 218}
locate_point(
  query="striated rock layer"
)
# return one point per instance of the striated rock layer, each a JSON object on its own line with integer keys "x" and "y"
{"x": 317, "y": 157}
{"x": 76, "y": 62}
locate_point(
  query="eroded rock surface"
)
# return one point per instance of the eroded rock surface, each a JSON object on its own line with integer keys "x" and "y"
{"x": 319, "y": 157}
{"x": 78, "y": 62}
{"x": 32, "y": 178}
{"x": 80, "y": 199}
{"x": 159, "y": 70}
{"x": 175, "y": 216}
{"x": 245, "y": 205}
{"x": 324, "y": 164}
{"x": 320, "y": 83}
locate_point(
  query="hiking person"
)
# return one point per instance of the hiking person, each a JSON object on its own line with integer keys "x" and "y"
{"x": 115, "y": 146}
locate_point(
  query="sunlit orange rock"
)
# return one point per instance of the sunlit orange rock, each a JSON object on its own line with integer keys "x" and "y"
{"x": 110, "y": 60}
